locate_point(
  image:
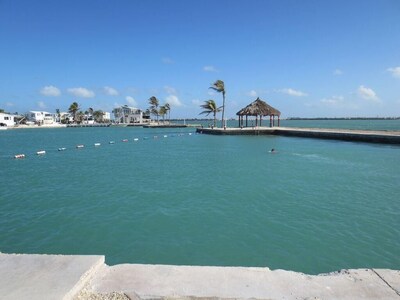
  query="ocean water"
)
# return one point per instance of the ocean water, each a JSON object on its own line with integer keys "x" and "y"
{"x": 187, "y": 199}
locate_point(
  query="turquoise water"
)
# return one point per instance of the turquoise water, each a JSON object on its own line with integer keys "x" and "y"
{"x": 315, "y": 206}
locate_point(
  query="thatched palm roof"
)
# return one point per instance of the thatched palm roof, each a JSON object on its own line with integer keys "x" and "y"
{"x": 258, "y": 108}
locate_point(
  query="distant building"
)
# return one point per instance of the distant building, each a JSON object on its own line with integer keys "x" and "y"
{"x": 128, "y": 115}
{"x": 7, "y": 120}
{"x": 66, "y": 118}
{"x": 106, "y": 116}
{"x": 41, "y": 117}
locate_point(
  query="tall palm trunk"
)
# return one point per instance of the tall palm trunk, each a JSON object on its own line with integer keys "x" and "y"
{"x": 223, "y": 108}
{"x": 215, "y": 118}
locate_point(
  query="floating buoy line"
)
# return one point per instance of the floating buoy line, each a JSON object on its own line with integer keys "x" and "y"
{"x": 96, "y": 145}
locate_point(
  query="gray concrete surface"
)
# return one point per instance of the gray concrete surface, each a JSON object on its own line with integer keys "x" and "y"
{"x": 369, "y": 136}
{"x": 24, "y": 276}
{"x": 161, "y": 281}
{"x": 80, "y": 277}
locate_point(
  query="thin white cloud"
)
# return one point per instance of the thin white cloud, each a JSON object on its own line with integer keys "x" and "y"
{"x": 337, "y": 72}
{"x": 110, "y": 91}
{"x": 333, "y": 101}
{"x": 196, "y": 102}
{"x": 131, "y": 101}
{"x": 395, "y": 71}
{"x": 253, "y": 93}
{"x": 81, "y": 92}
{"x": 173, "y": 101}
{"x": 367, "y": 94}
{"x": 170, "y": 90}
{"x": 167, "y": 61}
{"x": 209, "y": 69}
{"x": 50, "y": 91}
{"x": 292, "y": 92}
{"x": 41, "y": 104}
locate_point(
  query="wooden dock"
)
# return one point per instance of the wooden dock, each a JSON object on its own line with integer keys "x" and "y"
{"x": 368, "y": 136}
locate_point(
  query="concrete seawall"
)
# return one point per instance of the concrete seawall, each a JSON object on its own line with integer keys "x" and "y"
{"x": 384, "y": 137}
{"x": 24, "y": 276}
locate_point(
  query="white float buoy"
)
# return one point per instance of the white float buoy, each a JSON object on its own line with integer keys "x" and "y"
{"x": 135, "y": 139}
{"x": 97, "y": 144}
{"x": 165, "y": 136}
{"x": 19, "y": 156}
{"x": 41, "y": 152}
{"x": 111, "y": 142}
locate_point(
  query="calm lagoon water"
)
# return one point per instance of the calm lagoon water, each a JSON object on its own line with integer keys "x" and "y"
{"x": 315, "y": 206}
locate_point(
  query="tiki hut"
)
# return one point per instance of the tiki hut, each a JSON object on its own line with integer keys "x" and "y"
{"x": 258, "y": 108}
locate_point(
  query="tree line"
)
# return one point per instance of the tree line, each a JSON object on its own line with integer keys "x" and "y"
{"x": 79, "y": 116}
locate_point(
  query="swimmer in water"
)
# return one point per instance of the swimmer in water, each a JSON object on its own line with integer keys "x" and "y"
{"x": 273, "y": 150}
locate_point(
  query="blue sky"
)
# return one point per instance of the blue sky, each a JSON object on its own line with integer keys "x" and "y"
{"x": 306, "y": 58}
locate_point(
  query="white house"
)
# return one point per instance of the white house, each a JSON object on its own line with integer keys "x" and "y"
{"x": 41, "y": 117}
{"x": 125, "y": 114}
{"x": 65, "y": 117}
{"x": 106, "y": 116}
{"x": 6, "y": 120}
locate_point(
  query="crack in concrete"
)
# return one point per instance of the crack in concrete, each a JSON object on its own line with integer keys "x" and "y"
{"x": 387, "y": 283}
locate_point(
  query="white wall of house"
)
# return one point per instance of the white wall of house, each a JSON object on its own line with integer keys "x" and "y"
{"x": 7, "y": 119}
{"x": 126, "y": 114}
{"x": 106, "y": 116}
{"x": 41, "y": 117}
{"x": 66, "y": 117}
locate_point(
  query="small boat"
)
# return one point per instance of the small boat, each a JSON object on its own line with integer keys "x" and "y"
{"x": 165, "y": 136}
{"x": 41, "y": 152}
{"x": 19, "y": 156}
{"x": 97, "y": 144}
{"x": 62, "y": 149}
{"x": 135, "y": 139}
{"x": 125, "y": 140}
{"x": 79, "y": 146}
{"x": 111, "y": 142}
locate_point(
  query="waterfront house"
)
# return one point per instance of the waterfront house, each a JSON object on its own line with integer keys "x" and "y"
{"x": 41, "y": 117}
{"x": 130, "y": 115}
{"x": 7, "y": 120}
{"x": 66, "y": 118}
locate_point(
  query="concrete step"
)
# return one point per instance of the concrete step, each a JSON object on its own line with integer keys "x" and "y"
{"x": 33, "y": 276}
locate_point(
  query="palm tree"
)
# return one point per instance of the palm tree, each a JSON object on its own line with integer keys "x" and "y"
{"x": 98, "y": 116}
{"x": 73, "y": 109}
{"x": 163, "y": 111}
{"x": 219, "y": 86}
{"x": 210, "y": 107}
{"x": 80, "y": 116}
{"x": 168, "y": 108}
{"x": 154, "y": 103}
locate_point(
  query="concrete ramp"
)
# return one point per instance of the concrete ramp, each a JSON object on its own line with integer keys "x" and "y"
{"x": 33, "y": 276}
